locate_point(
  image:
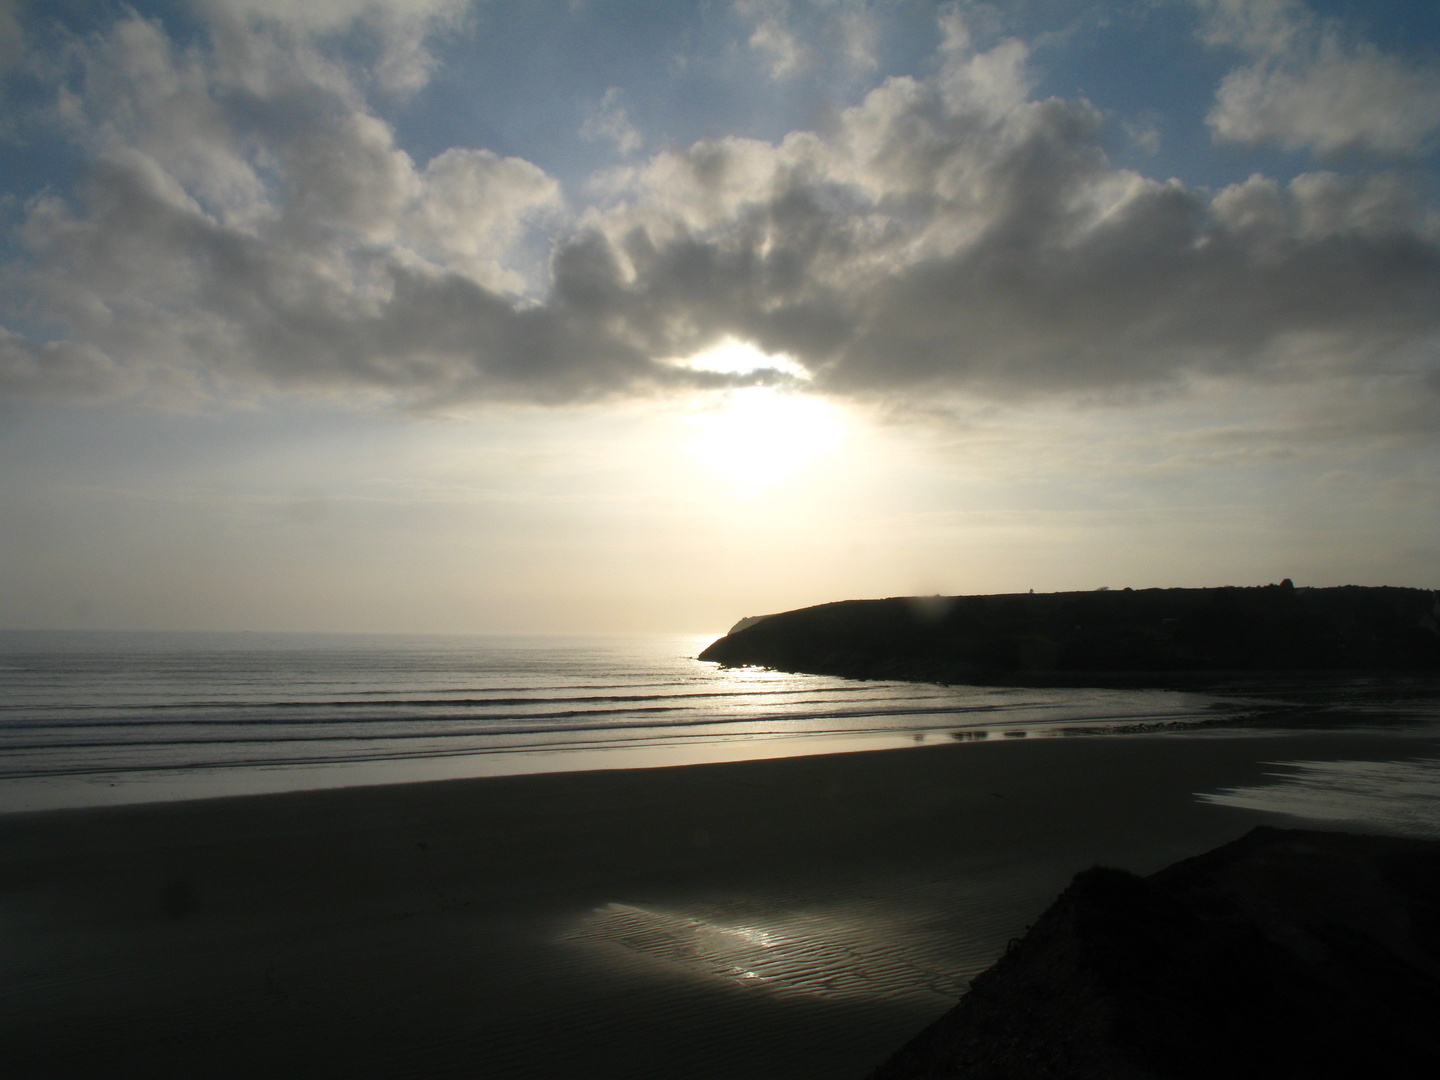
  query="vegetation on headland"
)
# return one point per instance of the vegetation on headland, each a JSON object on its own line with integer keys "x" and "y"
{"x": 1124, "y": 637}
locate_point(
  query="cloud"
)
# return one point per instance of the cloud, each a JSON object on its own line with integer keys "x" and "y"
{"x": 771, "y": 37}
{"x": 792, "y": 38}
{"x": 248, "y": 221}
{"x": 243, "y": 212}
{"x": 953, "y": 232}
{"x": 400, "y": 29}
{"x": 1311, "y": 84}
{"x": 1143, "y": 134}
{"x": 858, "y": 35}
{"x": 609, "y": 120}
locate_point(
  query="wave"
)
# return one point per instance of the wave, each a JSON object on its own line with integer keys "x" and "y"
{"x": 793, "y": 713}
{"x": 425, "y": 702}
{"x": 491, "y": 742}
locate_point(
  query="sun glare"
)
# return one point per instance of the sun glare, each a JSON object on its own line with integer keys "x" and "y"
{"x": 763, "y": 436}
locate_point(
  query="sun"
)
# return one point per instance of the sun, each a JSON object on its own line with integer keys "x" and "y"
{"x": 761, "y": 435}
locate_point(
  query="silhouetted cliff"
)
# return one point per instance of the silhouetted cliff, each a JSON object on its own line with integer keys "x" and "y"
{"x": 1284, "y": 954}
{"x": 1075, "y": 638}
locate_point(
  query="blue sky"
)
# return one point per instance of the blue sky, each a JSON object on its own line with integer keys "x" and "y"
{"x": 478, "y": 316}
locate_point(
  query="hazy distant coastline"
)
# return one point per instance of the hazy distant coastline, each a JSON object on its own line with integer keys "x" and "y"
{"x": 1147, "y": 637}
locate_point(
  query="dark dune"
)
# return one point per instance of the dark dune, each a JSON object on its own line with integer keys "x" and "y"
{"x": 1284, "y": 954}
{"x": 1149, "y": 637}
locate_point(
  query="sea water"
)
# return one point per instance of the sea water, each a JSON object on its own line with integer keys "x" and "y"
{"x": 92, "y": 718}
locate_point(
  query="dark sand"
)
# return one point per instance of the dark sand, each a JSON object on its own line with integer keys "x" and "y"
{"x": 790, "y": 918}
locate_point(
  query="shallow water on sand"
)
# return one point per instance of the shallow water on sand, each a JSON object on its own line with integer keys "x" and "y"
{"x": 1400, "y": 797}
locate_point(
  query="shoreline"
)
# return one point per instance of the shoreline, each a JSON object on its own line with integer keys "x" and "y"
{"x": 787, "y": 917}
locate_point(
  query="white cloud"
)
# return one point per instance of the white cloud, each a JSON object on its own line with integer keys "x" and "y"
{"x": 771, "y": 37}
{"x": 400, "y": 28}
{"x": 1311, "y": 84}
{"x": 472, "y": 208}
{"x": 793, "y": 37}
{"x": 858, "y": 36}
{"x": 609, "y": 120}
{"x": 1143, "y": 134}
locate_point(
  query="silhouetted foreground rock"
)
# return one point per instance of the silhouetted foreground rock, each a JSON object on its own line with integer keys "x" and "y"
{"x": 1146, "y": 637}
{"x": 1284, "y": 954}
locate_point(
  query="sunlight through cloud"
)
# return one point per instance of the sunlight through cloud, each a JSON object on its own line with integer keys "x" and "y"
{"x": 735, "y": 357}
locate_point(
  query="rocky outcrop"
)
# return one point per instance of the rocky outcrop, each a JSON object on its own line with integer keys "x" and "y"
{"x": 1144, "y": 637}
{"x": 1284, "y": 954}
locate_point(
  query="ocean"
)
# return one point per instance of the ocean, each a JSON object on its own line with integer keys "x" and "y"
{"x": 92, "y": 718}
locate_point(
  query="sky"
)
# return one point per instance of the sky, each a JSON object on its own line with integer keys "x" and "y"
{"x": 453, "y": 316}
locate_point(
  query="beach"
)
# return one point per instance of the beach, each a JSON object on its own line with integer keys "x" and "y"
{"x": 791, "y": 918}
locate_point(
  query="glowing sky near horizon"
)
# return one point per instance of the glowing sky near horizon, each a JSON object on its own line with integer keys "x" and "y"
{"x": 466, "y": 316}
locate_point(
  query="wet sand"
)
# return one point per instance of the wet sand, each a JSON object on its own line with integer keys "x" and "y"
{"x": 790, "y": 918}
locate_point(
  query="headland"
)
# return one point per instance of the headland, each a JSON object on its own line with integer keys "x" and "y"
{"x": 1181, "y": 638}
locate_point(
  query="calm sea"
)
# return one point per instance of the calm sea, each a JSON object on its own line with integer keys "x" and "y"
{"x": 88, "y": 718}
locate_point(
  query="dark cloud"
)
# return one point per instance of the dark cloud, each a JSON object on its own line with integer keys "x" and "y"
{"x": 991, "y": 246}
